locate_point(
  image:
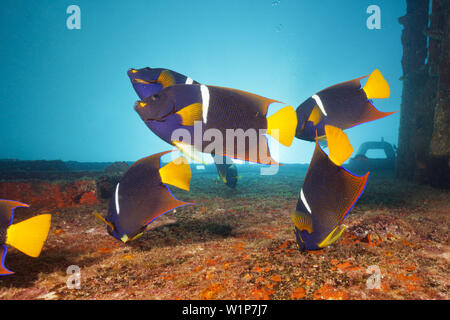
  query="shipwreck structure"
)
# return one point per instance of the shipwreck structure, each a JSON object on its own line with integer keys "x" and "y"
{"x": 424, "y": 136}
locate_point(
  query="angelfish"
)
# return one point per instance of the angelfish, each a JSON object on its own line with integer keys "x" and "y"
{"x": 27, "y": 236}
{"x": 227, "y": 171}
{"x": 342, "y": 106}
{"x": 328, "y": 194}
{"x": 221, "y": 109}
{"x": 148, "y": 81}
{"x": 142, "y": 195}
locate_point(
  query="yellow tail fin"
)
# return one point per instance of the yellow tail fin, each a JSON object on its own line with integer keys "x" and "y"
{"x": 177, "y": 173}
{"x": 285, "y": 122}
{"x": 332, "y": 237}
{"x": 339, "y": 146}
{"x": 190, "y": 114}
{"x": 376, "y": 86}
{"x": 29, "y": 236}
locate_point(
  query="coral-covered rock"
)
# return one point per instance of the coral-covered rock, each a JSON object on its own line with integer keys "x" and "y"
{"x": 51, "y": 194}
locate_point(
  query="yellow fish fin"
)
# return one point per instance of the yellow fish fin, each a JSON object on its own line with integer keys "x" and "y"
{"x": 177, "y": 173}
{"x": 100, "y": 217}
{"x": 338, "y": 144}
{"x": 285, "y": 123}
{"x": 29, "y": 236}
{"x": 302, "y": 221}
{"x": 189, "y": 150}
{"x": 166, "y": 79}
{"x": 316, "y": 115}
{"x": 124, "y": 238}
{"x": 190, "y": 114}
{"x": 332, "y": 237}
{"x": 136, "y": 236}
{"x": 376, "y": 86}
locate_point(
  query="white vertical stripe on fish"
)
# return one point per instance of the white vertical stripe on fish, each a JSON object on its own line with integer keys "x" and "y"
{"x": 302, "y": 196}
{"x": 205, "y": 101}
{"x": 319, "y": 103}
{"x": 117, "y": 199}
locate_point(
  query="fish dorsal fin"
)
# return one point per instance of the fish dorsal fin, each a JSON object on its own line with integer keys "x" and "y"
{"x": 332, "y": 237}
{"x": 6, "y": 210}
{"x": 316, "y": 115}
{"x": 376, "y": 86}
{"x": 176, "y": 173}
{"x": 29, "y": 236}
{"x": 260, "y": 102}
{"x": 282, "y": 125}
{"x": 302, "y": 221}
{"x": 339, "y": 146}
{"x": 189, "y": 150}
{"x": 166, "y": 79}
{"x": 190, "y": 114}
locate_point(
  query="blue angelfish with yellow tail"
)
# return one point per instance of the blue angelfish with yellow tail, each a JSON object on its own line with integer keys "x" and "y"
{"x": 27, "y": 236}
{"x": 328, "y": 194}
{"x": 142, "y": 195}
{"x": 149, "y": 81}
{"x": 343, "y": 106}
{"x": 220, "y": 109}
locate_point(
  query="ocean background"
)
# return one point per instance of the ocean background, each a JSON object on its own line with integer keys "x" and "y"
{"x": 65, "y": 94}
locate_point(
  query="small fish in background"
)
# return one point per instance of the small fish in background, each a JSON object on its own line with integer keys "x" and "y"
{"x": 27, "y": 236}
{"x": 148, "y": 81}
{"x": 343, "y": 106}
{"x": 142, "y": 195}
{"x": 328, "y": 194}
{"x": 227, "y": 171}
{"x": 182, "y": 106}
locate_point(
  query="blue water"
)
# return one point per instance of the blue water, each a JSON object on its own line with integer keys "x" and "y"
{"x": 64, "y": 94}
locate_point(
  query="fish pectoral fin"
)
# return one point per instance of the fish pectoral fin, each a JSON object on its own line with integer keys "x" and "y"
{"x": 166, "y": 79}
{"x": 29, "y": 236}
{"x": 282, "y": 125}
{"x": 316, "y": 115}
{"x": 191, "y": 113}
{"x": 3, "y": 270}
{"x": 376, "y": 86}
{"x": 177, "y": 173}
{"x": 332, "y": 237}
{"x": 302, "y": 221}
{"x": 339, "y": 145}
{"x": 189, "y": 150}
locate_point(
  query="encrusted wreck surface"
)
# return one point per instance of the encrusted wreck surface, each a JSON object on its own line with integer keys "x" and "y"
{"x": 239, "y": 244}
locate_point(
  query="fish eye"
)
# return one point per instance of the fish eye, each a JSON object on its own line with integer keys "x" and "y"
{"x": 155, "y": 97}
{"x": 147, "y": 68}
